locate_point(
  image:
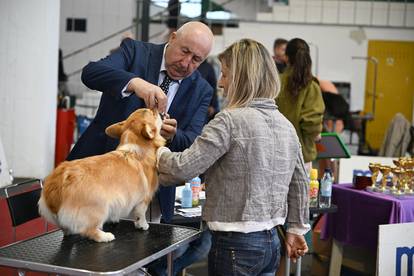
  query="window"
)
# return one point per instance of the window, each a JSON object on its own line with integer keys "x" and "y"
{"x": 76, "y": 24}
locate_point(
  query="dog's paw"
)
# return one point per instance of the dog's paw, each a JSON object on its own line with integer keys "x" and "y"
{"x": 141, "y": 225}
{"x": 105, "y": 237}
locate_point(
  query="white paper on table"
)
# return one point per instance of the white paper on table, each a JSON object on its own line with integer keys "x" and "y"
{"x": 191, "y": 210}
{"x": 178, "y": 192}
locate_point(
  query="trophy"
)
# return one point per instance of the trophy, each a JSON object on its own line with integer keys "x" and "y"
{"x": 408, "y": 187}
{"x": 398, "y": 174}
{"x": 398, "y": 162}
{"x": 408, "y": 165}
{"x": 374, "y": 168}
{"x": 385, "y": 170}
{"x": 394, "y": 181}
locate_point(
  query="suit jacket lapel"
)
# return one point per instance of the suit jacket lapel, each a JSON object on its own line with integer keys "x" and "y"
{"x": 182, "y": 96}
{"x": 154, "y": 63}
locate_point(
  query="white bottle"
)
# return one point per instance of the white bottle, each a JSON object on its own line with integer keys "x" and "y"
{"x": 326, "y": 189}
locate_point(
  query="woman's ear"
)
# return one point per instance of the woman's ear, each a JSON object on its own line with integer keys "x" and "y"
{"x": 115, "y": 130}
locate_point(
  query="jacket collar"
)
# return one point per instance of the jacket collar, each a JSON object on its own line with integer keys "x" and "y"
{"x": 156, "y": 56}
{"x": 263, "y": 103}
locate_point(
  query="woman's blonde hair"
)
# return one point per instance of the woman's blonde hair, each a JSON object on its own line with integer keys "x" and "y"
{"x": 251, "y": 73}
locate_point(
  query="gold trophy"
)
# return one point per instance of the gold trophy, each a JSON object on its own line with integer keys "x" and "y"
{"x": 394, "y": 181}
{"x": 408, "y": 165}
{"x": 408, "y": 187}
{"x": 385, "y": 170}
{"x": 374, "y": 168}
{"x": 398, "y": 174}
{"x": 398, "y": 162}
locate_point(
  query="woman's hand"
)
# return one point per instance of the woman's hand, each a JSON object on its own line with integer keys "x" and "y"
{"x": 295, "y": 246}
{"x": 160, "y": 151}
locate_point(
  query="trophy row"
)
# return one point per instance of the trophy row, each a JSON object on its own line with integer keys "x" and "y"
{"x": 402, "y": 181}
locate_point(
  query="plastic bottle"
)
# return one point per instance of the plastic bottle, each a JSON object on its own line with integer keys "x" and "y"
{"x": 195, "y": 187}
{"x": 326, "y": 189}
{"x": 187, "y": 196}
{"x": 313, "y": 188}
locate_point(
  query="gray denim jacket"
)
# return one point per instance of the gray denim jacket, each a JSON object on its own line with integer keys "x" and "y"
{"x": 253, "y": 163}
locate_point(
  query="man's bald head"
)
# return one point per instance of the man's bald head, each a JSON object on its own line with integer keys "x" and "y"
{"x": 187, "y": 48}
{"x": 199, "y": 30}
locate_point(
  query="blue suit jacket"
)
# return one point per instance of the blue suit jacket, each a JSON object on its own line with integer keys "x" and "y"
{"x": 111, "y": 74}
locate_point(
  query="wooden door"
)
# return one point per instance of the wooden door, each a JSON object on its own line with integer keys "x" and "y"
{"x": 394, "y": 86}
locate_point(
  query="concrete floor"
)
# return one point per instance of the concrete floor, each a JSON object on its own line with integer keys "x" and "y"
{"x": 200, "y": 269}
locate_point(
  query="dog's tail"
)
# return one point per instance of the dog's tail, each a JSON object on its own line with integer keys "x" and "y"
{"x": 45, "y": 212}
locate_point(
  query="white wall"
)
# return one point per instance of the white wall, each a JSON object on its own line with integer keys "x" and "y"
{"x": 370, "y": 13}
{"x": 29, "y": 36}
{"x": 336, "y": 47}
{"x": 104, "y": 17}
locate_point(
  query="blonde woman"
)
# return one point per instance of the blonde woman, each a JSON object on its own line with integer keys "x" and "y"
{"x": 255, "y": 175}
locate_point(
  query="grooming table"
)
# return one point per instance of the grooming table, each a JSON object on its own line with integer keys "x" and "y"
{"x": 73, "y": 255}
{"x": 20, "y": 185}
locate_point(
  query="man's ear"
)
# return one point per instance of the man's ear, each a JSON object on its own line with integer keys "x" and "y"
{"x": 115, "y": 130}
{"x": 148, "y": 132}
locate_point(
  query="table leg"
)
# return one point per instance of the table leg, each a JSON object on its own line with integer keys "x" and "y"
{"x": 169, "y": 264}
{"x": 298, "y": 266}
{"x": 336, "y": 258}
{"x": 287, "y": 265}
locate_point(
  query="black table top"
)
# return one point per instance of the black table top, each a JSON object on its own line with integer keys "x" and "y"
{"x": 20, "y": 185}
{"x": 317, "y": 210}
{"x": 53, "y": 252}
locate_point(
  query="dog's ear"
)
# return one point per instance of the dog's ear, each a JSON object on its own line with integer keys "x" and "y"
{"x": 148, "y": 132}
{"x": 115, "y": 130}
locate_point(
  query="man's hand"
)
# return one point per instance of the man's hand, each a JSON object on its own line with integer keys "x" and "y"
{"x": 168, "y": 128}
{"x": 295, "y": 245}
{"x": 152, "y": 95}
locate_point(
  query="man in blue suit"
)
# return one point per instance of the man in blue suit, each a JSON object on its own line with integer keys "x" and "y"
{"x": 130, "y": 79}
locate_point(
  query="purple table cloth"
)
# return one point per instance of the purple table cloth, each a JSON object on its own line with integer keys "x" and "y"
{"x": 360, "y": 213}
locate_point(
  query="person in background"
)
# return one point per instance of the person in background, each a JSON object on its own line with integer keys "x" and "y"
{"x": 336, "y": 107}
{"x": 279, "y": 48}
{"x": 130, "y": 78}
{"x": 62, "y": 77}
{"x": 125, "y": 35}
{"x": 300, "y": 98}
{"x": 174, "y": 8}
{"x": 207, "y": 72}
{"x": 255, "y": 174}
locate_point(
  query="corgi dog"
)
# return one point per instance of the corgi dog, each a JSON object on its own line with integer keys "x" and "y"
{"x": 81, "y": 195}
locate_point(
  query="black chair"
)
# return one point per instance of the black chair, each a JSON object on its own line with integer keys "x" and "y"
{"x": 23, "y": 204}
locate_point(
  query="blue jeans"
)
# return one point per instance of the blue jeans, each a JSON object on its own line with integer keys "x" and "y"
{"x": 234, "y": 253}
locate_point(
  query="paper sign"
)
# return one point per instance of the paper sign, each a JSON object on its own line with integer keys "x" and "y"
{"x": 396, "y": 250}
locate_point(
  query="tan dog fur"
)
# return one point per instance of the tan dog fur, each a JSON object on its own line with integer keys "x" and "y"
{"x": 81, "y": 195}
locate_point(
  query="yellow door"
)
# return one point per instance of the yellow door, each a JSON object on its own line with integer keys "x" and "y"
{"x": 394, "y": 86}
